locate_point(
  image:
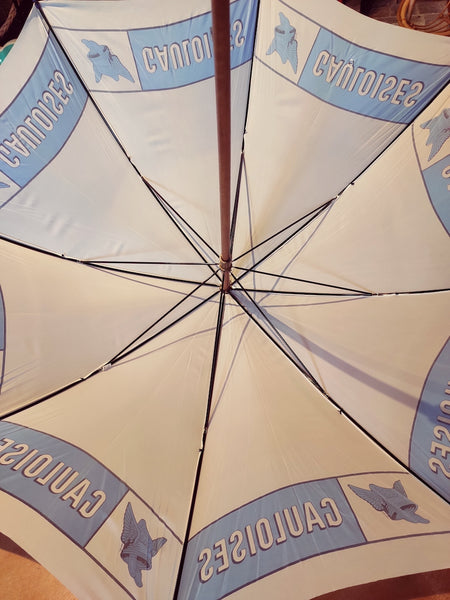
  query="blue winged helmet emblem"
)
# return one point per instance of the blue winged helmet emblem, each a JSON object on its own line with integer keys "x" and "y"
{"x": 284, "y": 42}
{"x": 105, "y": 62}
{"x": 138, "y": 547}
{"x": 392, "y": 501}
{"x": 439, "y": 131}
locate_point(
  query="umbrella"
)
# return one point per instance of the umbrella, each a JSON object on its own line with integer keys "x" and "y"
{"x": 225, "y": 381}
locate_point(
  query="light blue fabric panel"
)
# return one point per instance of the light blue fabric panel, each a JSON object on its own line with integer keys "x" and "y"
{"x": 182, "y": 53}
{"x": 39, "y": 121}
{"x": 430, "y": 440}
{"x": 368, "y": 82}
{"x": 266, "y": 535}
{"x": 64, "y": 484}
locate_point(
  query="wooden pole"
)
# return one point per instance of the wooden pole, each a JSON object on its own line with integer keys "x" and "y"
{"x": 221, "y": 41}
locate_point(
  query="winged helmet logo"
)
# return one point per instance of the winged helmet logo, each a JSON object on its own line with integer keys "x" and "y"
{"x": 284, "y": 42}
{"x": 439, "y": 131}
{"x": 392, "y": 501}
{"x": 104, "y": 62}
{"x": 138, "y": 547}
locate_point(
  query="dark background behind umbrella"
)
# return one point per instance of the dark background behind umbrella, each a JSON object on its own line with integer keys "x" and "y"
{"x": 13, "y": 13}
{"x": 12, "y": 17}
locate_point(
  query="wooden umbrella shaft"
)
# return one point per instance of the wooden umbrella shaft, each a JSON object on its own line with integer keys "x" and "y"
{"x": 221, "y": 41}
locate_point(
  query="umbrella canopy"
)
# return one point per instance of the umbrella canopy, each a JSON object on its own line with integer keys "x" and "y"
{"x": 199, "y": 411}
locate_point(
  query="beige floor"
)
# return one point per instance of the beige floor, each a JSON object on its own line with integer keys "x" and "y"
{"x": 22, "y": 578}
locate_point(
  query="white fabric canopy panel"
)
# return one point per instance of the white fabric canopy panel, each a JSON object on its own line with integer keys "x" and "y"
{"x": 160, "y": 436}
